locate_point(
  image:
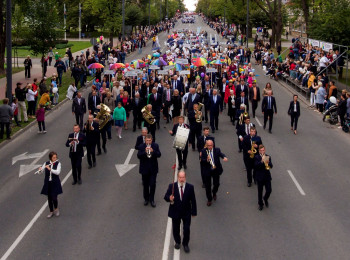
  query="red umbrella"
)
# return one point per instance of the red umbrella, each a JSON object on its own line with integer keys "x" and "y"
{"x": 95, "y": 66}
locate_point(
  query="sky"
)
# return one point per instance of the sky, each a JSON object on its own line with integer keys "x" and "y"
{"x": 190, "y": 4}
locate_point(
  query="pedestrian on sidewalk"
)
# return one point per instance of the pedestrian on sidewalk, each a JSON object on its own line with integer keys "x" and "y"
{"x": 52, "y": 183}
{"x": 50, "y": 55}
{"x": 40, "y": 117}
{"x": 60, "y": 69}
{"x": 27, "y": 66}
{"x": 30, "y": 96}
{"x": 44, "y": 64}
{"x": 21, "y": 96}
{"x": 14, "y": 107}
{"x": 6, "y": 115}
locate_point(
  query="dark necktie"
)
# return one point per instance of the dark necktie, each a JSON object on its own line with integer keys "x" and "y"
{"x": 95, "y": 101}
{"x": 182, "y": 192}
{"x": 269, "y": 102}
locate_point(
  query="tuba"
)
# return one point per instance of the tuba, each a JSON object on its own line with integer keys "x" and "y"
{"x": 149, "y": 118}
{"x": 198, "y": 113}
{"x": 103, "y": 116}
{"x": 253, "y": 150}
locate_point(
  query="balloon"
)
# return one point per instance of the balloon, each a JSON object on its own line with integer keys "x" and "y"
{"x": 202, "y": 74}
{"x": 250, "y": 85}
{"x": 126, "y": 64}
{"x": 253, "y": 70}
{"x": 54, "y": 90}
{"x": 214, "y": 54}
{"x": 333, "y": 100}
{"x": 149, "y": 56}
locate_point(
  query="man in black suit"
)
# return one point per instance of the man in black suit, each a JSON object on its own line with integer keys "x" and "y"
{"x": 200, "y": 146}
{"x": 94, "y": 101}
{"x": 294, "y": 112}
{"x": 91, "y": 130}
{"x": 155, "y": 100}
{"x": 241, "y": 87}
{"x": 151, "y": 127}
{"x": 263, "y": 176}
{"x": 166, "y": 100}
{"x": 248, "y": 156}
{"x": 182, "y": 206}
{"x": 141, "y": 139}
{"x": 215, "y": 109}
{"x": 148, "y": 154}
{"x": 195, "y": 127}
{"x": 207, "y": 94}
{"x": 79, "y": 109}
{"x": 176, "y": 84}
{"x": 243, "y": 130}
{"x": 76, "y": 141}
{"x": 193, "y": 98}
{"x": 212, "y": 168}
{"x": 137, "y": 104}
{"x": 268, "y": 106}
{"x": 254, "y": 97}
{"x": 243, "y": 99}
{"x": 181, "y": 154}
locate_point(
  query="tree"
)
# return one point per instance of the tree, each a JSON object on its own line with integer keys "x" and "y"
{"x": 133, "y": 15}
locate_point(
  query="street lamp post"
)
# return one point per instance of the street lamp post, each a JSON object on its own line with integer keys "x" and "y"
{"x": 8, "y": 51}
{"x": 149, "y": 13}
{"x": 123, "y": 25}
{"x": 247, "y": 22}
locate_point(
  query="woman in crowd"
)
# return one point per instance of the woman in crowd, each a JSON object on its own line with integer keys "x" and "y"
{"x": 177, "y": 105}
{"x": 31, "y": 101}
{"x": 119, "y": 117}
{"x": 320, "y": 97}
{"x": 126, "y": 104}
{"x": 267, "y": 88}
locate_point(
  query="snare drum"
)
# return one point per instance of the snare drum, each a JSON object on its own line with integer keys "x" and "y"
{"x": 181, "y": 138}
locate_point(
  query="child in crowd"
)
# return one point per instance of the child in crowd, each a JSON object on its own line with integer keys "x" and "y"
{"x": 40, "y": 117}
{"x": 14, "y": 106}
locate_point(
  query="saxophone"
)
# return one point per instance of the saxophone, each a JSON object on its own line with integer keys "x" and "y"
{"x": 253, "y": 150}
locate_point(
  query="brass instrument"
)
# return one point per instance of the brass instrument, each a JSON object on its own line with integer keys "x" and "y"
{"x": 149, "y": 118}
{"x": 103, "y": 116}
{"x": 149, "y": 154}
{"x": 213, "y": 167}
{"x": 253, "y": 150}
{"x": 266, "y": 160}
{"x": 198, "y": 113}
{"x": 243, "y": 115}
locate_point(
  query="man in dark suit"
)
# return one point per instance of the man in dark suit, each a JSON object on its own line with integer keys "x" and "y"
{"x": 263, "y": 176}
{"x": 200, "y": 146}
{"x": 76, "y": 141}
{"x": 248, "y": 156}
{"x": 243, "y": 99}
{"x": 268, "y": 106}
{"x": 294, "y": 112}
{"x": 207, "y": 94}
{"x": 137, "y": 104}
{"x": 148, "y": 154}
{"x": 254, "y": 97}
{"x": 166, "y": 100}
{"x": 79, "y": 109}
{"x": 181, "y": 154}
{"x": 155, "y": 100}
{"x": 146, "y": 90}
{"x": 195, "y": 127}
{"x": 141, "y": 139}
{"x": 243, "y": 130}
{"x": 176, "y": 84}
{"x": 241, "y": 87}
{"x": 182, "y": 206}
{"x": 91, "y": 130}
{"x": 212, "y": 168}
{"x": 193, "y": 98}
{"x": 94, "y": 101}
{"x": 215, "y": 109}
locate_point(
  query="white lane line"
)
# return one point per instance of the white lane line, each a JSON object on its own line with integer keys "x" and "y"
{"x": 257, "y": 120}
{"x": 177, "y": 251}
{"x": 169, "y": 227}
{"x": 296, "y": 183}
{"x": 31, "y": 223}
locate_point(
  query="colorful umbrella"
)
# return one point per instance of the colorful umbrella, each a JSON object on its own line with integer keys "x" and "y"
{"x": 159, "y": 62}
{"x": 156, "y": 54}
{"x": 116, "y": 66}
{"x": 216, "y": 62}
{"x": 199, "y": 62}
{"x": 95, "y": 66}
{"x": 138, "y": 64}
{"x": 178, "y": 67}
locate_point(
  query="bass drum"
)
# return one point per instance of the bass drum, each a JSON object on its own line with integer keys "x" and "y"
{"x": 181, "y": 138}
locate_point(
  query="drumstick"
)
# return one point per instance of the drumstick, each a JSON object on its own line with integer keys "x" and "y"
{"x": 174, "y": 168}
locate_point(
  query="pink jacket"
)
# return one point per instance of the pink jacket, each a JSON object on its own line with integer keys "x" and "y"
{"x": 40, "y": 114}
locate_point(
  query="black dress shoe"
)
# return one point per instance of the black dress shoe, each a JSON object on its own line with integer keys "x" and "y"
{"x": 177, "y": 246}
{"x": 266, "y": 203}
{"x": 261, "y": 208}
{"x": 105, "y": 149}
{"x": 99, "y": 153}
{"x": 249, "y": 185}
{"x": 90, "y": 166}
{"x": 153, "y": 204}
{"x": 74, "y": 182}
{"x": 213, "y": 131}
{"x": 203, "y": 185}
{"x": 94, "y": 164}
{"x": 209, "y": 203}
{"x": 179, "y": 167}
{"x": 80, "y": 182}
{"x": 239, "y": 151}
{"x": 214, "y": 197}
{"x": 270, "y": 132}
{"x": 145, "y": 202}
{"x": 186, "y": 249}
{"x": 185, "y": 166}
{"x": 193, "y": 149}
{"x": 134, "y": 130}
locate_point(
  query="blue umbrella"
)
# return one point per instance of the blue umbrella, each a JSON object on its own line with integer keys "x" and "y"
{"x": 195, "y": 50}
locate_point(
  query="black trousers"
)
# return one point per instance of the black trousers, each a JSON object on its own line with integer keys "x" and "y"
{"x": 137, "y": 120}
{"x": 2, "y": 127}
{"x": 103, "y": 133}
{"x": 202, "y": 174}
{"x": 79, "y": 118}
{"x": 166, "y": 110}
{"x": 91, "y": 150}
{"x": 240, "y": 146}
{"x": 76, "y": 166}
{"x": 27, "y": 71}
{"x": 249, "y": 165}
{"x": 206, "y": 110}
{"x": 31, "y": 108}
{"x": 186, "y": 221}
{"x": 268, "y": 113}
{"x": 214, "y": 121}
{"x": 41, "y": 125}
{"x": 294, "y": 120}
{"x": 51, "y": 199}
{"x": 149, "y": 186}
{"x": 152, "y": 131}
{"x": 182, "y": 156}
{"x": 195, "y": 133}
{"x": 254, "y": 106}
{"x": 268, "y": 190}
{"x": 216, "y": 183}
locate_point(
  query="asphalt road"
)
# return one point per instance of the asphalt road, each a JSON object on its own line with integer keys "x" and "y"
{"x": 104, "y": 218}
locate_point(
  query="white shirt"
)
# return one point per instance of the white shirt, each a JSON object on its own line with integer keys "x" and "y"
{"x": 183, "y": 188}
{"x": 295, "y": 107}
{"x": 31, "y": 95}
{"x": 323, "y": 61}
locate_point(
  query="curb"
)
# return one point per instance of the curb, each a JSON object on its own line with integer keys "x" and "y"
{"x": 22, "y": 130}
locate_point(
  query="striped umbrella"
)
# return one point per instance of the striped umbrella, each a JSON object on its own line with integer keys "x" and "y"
{"x": 159, "y": 62}
{"x": 178, "y": 67}
{"x": 117, "y": 66}
{"x": 216, "y": 62}
{"x": 200, "y": 62}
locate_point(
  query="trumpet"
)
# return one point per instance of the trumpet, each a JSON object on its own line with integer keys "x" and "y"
{"x": 253, "y": 150}
{"x": 266, "y": 160}
{"x": 212, "y": 164}
{"x": 149, "y": 154}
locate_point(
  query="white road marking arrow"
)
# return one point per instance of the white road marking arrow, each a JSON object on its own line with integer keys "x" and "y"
{"x": 26, "y": 168}
{"x": 124, "y": 168}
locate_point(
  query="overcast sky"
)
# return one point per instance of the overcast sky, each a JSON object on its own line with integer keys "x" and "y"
{"x": 190, "y": 4}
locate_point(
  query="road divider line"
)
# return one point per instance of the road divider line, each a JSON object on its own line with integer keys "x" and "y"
{"x": 258, "y": 121}
{"x": 31, "y": 223}
{"x": 296, "y": 183}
